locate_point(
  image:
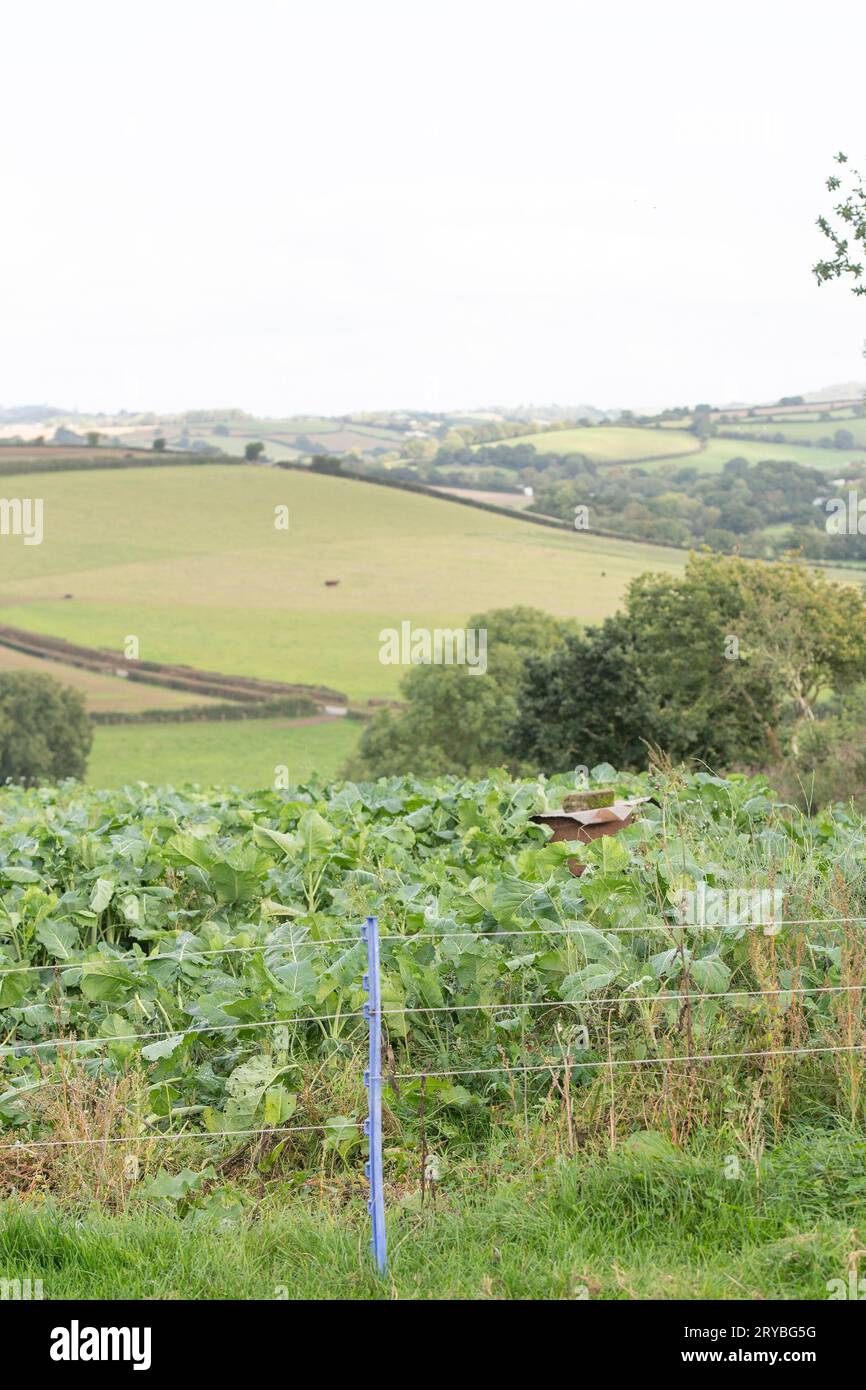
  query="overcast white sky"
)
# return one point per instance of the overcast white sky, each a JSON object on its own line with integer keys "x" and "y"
{"x": 359, "y": 204}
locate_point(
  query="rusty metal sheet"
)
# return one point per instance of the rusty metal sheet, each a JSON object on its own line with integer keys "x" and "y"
{"x": 585, "y": 826}
{"x": 620, "y": 811}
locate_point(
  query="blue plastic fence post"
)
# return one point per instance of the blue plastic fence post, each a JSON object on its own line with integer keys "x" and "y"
{"x": 373, "y": 1083}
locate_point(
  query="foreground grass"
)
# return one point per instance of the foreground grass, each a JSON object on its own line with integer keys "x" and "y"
{"x": 242, "y": 753}
{"x": 600, "y": 1228}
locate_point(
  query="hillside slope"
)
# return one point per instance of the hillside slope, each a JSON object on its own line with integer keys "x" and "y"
{"x": 190, "y": 561}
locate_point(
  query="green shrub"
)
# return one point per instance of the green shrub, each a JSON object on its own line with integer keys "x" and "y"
{"x": 44, "y": 729}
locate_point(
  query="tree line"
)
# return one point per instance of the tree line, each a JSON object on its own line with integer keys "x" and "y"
{"x": 734, "y": 664}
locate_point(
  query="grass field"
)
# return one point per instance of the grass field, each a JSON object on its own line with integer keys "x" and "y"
{"x": 242, "y": 753}
{"x": 616, "y": 1227}
{"x": 189, "y": 560}
{"x": 609, "y": 443}
{"x": 800, "y": 430}
{"x": 713, "y": 457}
{"x": 281, "y": 437}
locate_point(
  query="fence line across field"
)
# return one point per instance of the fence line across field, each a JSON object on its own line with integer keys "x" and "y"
{"x": 373, "y": 1015}
{"x": 648, "y": 926}
{"x": 184, "y": 954}
{"x": 570, "y": 1063}
{"x": 74, "y": 1040}
{"x": 189, "y": 953}
{"x": 559, "y": 1064}
{"x": 21, "y": 1145}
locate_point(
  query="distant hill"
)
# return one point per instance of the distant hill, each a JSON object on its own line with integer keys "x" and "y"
{"x": 842, "y": 391}
{"x": 30, "y": 414}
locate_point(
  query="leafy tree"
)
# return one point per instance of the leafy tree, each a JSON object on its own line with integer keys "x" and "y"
{"x": 456, "y": 721}
{"x": 830, "y": 762}
{"x": 93, "y": 437}
{"x": 44, "y": 729}
{"x": 159, "y": 445}
{"x": 253, "y": 451}
{"x": 584, "y": 704}
{"x": 796, "y": 634}
{"x": 850, "y": 226}
{"x": 723, "y": 663}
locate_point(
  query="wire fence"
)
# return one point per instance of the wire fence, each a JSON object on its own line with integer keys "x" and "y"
{"x": 23, "y": 1145}
{"x": 375, "y": 1017}
{"x": 662, "y": 997}
{"x": 190, "y": 953}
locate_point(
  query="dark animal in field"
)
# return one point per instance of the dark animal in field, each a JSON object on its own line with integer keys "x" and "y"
{"x": 331, "y": 583}
{"x": 69, "y": 596}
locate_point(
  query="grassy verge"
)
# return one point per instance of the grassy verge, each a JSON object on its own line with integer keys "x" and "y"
{"x": 620, "y": 1227}
{"x": 243, "y": 753}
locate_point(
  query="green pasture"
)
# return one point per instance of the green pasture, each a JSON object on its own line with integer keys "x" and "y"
{"x": 802, "y": 430}
{"x": 242, "y": 753}
{"x": 189, "y": 560}
{"x": 717, "y": 451}
{"x": 609, "y": 443}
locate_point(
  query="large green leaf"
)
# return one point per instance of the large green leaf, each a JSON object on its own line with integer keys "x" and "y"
{"x": 287, "y": 843}
{"x": 511, "y": 897}
{"x": 589, "y": 980}
{"x": 105, "y": 980}
{"x": 234, "y": 885}
{"x": 59, "y": 938}
{"x": 13, "y": 986}
{"x": 710, "y": 974}
{"x": 316, "y": 835}
{"x": 102, "y": 894}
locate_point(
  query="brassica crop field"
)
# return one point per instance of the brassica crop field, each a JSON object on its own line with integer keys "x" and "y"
{"x": 180, "y": 977}
{"x": 182, "y": 1040}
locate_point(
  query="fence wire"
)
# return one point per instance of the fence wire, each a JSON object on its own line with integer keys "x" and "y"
{"x": 22, "y": 1145}
{"x": 189, "y": 954}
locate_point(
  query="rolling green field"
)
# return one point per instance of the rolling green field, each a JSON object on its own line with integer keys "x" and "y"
{"x": 242, "y": 753}
{"x": 803, "y": 429}
{"x": 610, "y": 443}
{"x": 281, "y": 437}
{"x": 716, "y": 453}
{"x": 189, "y": 560}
